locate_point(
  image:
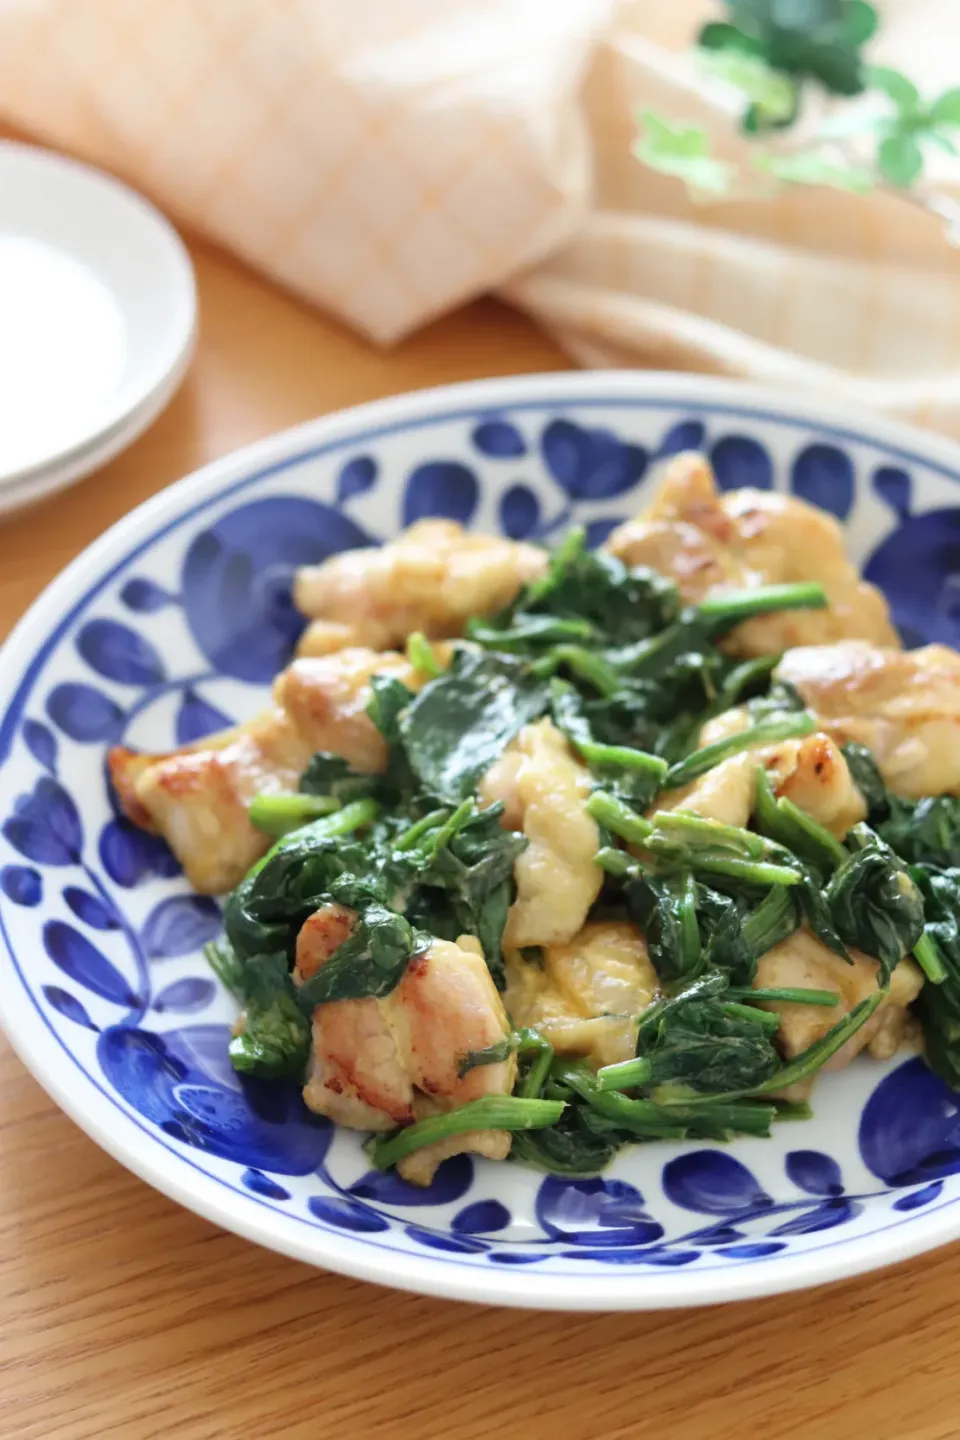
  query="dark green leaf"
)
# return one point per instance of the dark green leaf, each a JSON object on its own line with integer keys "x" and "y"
{"x": 866, "y": 776}
{"x": 874, "y": 903}
{"x": 371, "y": 962}
{"x": 462, "y": 722}
{"x": 274, "y": 1035}
{"x": 331, "y": 775}
{"x": 926, "y": 832}
{"x": 389, "y": 697}
{"x": 468, "y": 886}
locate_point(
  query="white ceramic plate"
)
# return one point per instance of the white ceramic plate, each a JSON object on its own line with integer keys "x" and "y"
{"x": 176, "y": 621}
{"x": 98, "y": 308}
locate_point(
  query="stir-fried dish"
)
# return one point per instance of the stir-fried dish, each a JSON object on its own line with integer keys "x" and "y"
{"x": 543, "y": 855}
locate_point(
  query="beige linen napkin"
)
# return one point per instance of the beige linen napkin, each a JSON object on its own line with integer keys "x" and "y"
{"x": 388, "y": 159}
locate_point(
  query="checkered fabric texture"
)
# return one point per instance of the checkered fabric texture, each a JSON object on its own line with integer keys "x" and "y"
{"x": 389, "y": 159}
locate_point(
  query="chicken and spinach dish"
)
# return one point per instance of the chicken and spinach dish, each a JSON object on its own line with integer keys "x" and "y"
{"x": 541, "y": 855}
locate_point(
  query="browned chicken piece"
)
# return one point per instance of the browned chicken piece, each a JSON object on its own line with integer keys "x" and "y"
{"x": 804, "y": 961}
{"x": 378, "y": 1064}
{"x": 811, "y": 772}
{"x": 197, "y": 797}
{"x": 433, "y": 578}
{"x": 545, "y": 788}
{"x": 587, "y": 996}
{"x": 711, "y": 543}
{"x": 904, "y": 705}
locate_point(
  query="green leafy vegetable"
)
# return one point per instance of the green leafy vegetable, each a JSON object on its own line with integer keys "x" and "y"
{"x": 493, "y": 1112}
{"x": 765, "y": 732}
{"x": 273, "y": 1036}
{"x": 279, "y": 814}
{"x": 371, "y": 962}
{"x": 866, "y": 776}
{"x": 460, "y": 723}
{"x": 873, "y": 901}
{"x": 629, "y": 676}
{"x": 926, "y": 832}
{"x": 712, "y": 1046}
{"x": 330, "y": 776}
{"x": 468, "y": 885}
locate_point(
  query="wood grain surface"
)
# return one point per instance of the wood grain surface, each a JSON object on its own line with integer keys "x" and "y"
{"x": 123, "y": 1316}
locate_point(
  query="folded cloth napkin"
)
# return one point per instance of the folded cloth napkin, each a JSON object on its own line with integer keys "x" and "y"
{"x": 389, "y": 159}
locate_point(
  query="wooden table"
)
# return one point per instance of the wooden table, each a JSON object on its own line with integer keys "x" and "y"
{"x": 124, "y": 1316}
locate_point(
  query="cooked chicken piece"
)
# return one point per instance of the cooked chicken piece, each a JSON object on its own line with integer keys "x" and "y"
{"x": 545, "y": 790}
{"x": 433, "y": 578}
{"x": 805, "y": 961}
{"x": 810, "y": 771}
{"x": 711, "y": 543}
{"x": 382, "y": 1063}
{"x": 197, "y": 797}
{"x": 587, "y": 995}
{"x": 904, "y": 705}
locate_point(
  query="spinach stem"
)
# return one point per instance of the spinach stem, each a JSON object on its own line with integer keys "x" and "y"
{"x": 614, "y": 815}
{"x": 441, "y": 837}
{"x": 685, "y": 828}
{"x": 493, "y": 1112}
{"x": 786, "y": 823}
{"x": 807, "y": 1063}
{"x": 615, "y": 862}
{"x": 751, "y": 872}
{"x": 928, "y": 956}
{"x": 786, "y": 994}
{"x": 410, "y": 837}
{"x": 624, "y": 756}
{"x": 625, "y": 1075}
{"x": 279, "y": 814}
{"x": 342, "y": 822}
{"x": 588, "y": 666}
{"x": 533, "y": 1082}
{"x": 766, "y": 732}
{"x": 764, "y": 1019}
{"x": 728, "y": 610}
{"x": 739, "y": 678}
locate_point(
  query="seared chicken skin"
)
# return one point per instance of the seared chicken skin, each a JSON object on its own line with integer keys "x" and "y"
{"x": 378, "y": 1064}
{"x": 711, "y": 543}
{"x": 197, "y": 797}
{"x": 587, "y": 996}
{"x": 810, "y": 771}
{"x": 433, "y": 578}
{"x": 545, "y": 788}
{"x": 904, "y": 705}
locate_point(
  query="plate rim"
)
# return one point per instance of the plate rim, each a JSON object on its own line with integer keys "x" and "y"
{"x": 429, "y": 1273}
{"x": 166, "y": 375}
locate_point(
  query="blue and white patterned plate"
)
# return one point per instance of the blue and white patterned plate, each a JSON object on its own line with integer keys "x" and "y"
{"x": 175, "y": 622}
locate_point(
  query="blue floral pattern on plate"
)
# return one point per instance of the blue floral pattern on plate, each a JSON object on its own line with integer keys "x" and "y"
{"x": 182, "y": 634}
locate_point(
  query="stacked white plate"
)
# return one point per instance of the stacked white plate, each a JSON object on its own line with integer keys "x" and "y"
{"x": 97, "y": 320}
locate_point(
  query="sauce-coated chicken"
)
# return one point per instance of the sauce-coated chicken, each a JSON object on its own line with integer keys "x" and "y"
{"x": 197, "y": 797}
{"x": 381, "y": 1063}
{"x": 904, "y": 705}
{"x": 544, "y": 788}
{"x": 587, "y": 995}
{"x": 711, "y": 543}
{"x": 433, "y": 578}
